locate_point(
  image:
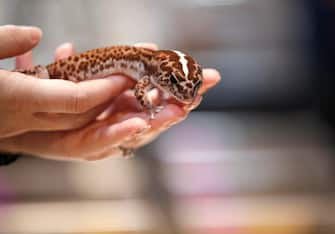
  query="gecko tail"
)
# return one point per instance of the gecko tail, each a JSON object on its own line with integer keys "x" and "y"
{"x": 38, "y": 71}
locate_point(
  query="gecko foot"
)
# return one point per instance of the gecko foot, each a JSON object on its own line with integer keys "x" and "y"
{"x": 158, "y": 109}
{"x": 152, "y": 114}
{"x": 155, "y": 110}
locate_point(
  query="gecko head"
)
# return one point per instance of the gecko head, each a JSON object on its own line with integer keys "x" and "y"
{"x": 179, "y": 75}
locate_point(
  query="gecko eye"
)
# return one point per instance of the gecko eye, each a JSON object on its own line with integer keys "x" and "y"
{"x": 173, "y": 79}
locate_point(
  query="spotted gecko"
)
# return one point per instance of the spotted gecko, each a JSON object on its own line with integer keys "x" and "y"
{"x": 174, "y": 73}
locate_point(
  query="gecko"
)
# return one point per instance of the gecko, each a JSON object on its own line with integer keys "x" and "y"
{"x": 173, "y": 73}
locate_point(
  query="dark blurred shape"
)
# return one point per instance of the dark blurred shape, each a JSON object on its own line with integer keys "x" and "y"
{"x": 323, "y": 13}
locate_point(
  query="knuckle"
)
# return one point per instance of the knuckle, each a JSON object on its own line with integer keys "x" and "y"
{"x": 10, "y": 89}
{"x": 79, "y": 102}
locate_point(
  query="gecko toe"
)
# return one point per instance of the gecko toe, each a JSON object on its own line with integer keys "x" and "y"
{"x": 158, "y": 109}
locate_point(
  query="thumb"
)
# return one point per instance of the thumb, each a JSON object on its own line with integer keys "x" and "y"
{"x": 16, "y": 40}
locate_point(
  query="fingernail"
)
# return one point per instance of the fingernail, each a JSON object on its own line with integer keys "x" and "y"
{"x": 35, "y": 33}
{"x": 146, "y": 45}
{"x": 139, "y": 44}
{"x": 211, "y": 72}
{"x": 67, "y": 45}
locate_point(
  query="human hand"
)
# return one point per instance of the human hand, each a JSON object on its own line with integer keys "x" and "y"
{"x": 126, "y": 107}
{"x": 122, "y": 124}
{"x": 172, "y": 114}
{"x": 30, "y": 104}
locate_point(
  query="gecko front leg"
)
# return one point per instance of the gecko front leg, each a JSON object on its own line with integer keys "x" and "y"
{"x": 142, "y": 89}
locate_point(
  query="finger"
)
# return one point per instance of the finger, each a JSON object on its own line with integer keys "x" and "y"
{"x": 63, "y": 51}
{"x": 96, "y": 137}
{"x": 82, "y": 96}
{"x": 127, "y": 102}
{"x": 24, "y": 61}
{"x": 211, "y": 78}
{"x": 150, "y": 46}
{"x": 60, "y": 96}
{"x": 16, "y": 40}
{"x": 169, "y": 116}
{"x": 112, "y": 152}
{"x": 53, "y": 121}
{"x": 75, "y": 144}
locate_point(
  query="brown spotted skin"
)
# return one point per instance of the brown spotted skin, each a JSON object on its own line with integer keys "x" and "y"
{"x": 173, "y": 72}
{"x": 103, "y": 62}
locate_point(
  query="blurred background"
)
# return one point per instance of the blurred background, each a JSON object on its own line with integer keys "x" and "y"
{"x": 256, "y": 157}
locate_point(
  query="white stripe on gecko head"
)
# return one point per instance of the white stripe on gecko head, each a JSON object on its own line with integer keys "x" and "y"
{"x": 183, "y": 62}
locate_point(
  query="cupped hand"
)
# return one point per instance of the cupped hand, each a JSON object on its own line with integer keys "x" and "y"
{"x": 123, "y": 123}
{"x": 171, "y": 115}
{"x": 30, "y": 104}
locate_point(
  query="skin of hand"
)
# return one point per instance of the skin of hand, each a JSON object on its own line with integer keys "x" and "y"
{"x": 123, "y": 123}
{"x": 30, "y": 104}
